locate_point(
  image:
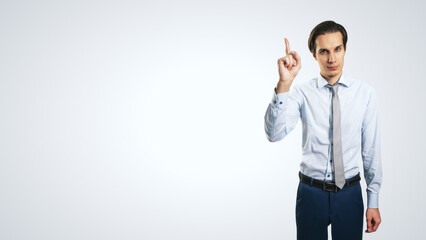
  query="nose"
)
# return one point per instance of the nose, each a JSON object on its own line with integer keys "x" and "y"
{"x": 331, "y": 58}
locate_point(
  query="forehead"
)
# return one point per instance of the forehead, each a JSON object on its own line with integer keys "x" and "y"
{"x": 329, "y": 40}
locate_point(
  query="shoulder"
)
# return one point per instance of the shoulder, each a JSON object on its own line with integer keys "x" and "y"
{"x": 361, "y": 85}
{"x": 363, "y": 88}
{"x": 304, "y": 85}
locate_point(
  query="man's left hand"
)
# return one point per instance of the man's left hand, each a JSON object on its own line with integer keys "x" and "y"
{"x": 373, "y": 219}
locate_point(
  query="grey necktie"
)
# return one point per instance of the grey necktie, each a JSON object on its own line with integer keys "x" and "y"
{"x": 339, "y": 172}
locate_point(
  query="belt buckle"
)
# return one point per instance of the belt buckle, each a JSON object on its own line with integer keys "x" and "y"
{"x": 327, "y": 188}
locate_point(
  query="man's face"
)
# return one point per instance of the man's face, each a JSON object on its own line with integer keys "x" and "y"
{"x": 330, "y": 54}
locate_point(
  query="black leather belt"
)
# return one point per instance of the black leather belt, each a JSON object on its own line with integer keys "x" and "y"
{"x": 328, "y": 186}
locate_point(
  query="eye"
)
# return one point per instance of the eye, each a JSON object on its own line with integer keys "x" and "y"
{"x": 338, "y": 48}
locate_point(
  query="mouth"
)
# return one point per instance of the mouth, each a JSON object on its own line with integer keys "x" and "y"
{"x": 332, "y": 68}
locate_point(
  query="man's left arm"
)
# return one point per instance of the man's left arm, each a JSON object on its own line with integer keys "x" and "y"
{"x": 371, "y": 157}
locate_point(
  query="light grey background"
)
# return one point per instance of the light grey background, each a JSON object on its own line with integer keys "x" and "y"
{"x": 144, "y": 119}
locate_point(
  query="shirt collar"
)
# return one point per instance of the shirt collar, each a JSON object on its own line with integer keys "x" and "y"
{"x": 345, "y": 81}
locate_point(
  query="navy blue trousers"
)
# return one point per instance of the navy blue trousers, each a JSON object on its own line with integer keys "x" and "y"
{"x": 316, "y": 209}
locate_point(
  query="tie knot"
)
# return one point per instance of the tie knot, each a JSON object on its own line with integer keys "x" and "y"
{"x": 333, "y": 87}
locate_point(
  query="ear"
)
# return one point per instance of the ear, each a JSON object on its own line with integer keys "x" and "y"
{"x": 313, "y": 54}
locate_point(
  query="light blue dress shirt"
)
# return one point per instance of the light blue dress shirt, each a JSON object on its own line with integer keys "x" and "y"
{"x": 311, "y": 101}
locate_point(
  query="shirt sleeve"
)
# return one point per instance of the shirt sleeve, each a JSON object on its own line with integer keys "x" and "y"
{"x": 282, "y": 114}
{"x": 371, "y": 155}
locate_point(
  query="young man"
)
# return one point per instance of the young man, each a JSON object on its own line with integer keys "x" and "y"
{"x": 340, "y": 125}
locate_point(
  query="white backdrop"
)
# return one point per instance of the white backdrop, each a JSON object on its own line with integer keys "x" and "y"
{"x": 144, "y": 119}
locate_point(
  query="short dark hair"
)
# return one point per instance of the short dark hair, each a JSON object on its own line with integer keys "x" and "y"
{"x": 323, "y": 28}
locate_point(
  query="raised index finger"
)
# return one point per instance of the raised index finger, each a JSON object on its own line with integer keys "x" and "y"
{"x": 287, "y": 46}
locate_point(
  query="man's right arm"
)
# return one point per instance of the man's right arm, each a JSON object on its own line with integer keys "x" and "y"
{"x": 283, "y": 111}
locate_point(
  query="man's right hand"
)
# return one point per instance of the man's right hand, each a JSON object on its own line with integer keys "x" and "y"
{"x": 288, "y": 67}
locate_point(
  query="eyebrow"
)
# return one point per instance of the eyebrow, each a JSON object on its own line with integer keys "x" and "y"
{"x": 321, "y": 49}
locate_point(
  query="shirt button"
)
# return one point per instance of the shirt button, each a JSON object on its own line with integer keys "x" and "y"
{"x": 281, "y": 102}
{"x": 331, "y": 160}
{"x": 328, "y": 175}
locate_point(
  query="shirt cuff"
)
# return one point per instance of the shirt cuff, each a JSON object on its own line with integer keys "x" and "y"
{"x": 372, "y": 200}
{"x": 280, "y": 100}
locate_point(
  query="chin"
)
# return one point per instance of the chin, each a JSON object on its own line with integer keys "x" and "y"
{"x": 334, "y": 73}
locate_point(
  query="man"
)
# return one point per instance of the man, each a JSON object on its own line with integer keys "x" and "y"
{"x": 340, "y": 125}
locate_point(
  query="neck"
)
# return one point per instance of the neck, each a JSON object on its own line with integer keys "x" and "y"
{"x": 333, "y": 79}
